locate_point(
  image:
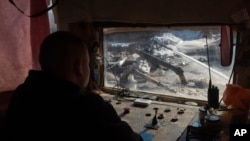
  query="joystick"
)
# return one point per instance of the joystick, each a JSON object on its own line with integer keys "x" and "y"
{"x": 154, "y": 123}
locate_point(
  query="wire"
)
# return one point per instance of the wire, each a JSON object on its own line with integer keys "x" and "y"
{"x": 235, "y": 62}
{"x": 236, "y": 58}
{"x": 36, "y": 14}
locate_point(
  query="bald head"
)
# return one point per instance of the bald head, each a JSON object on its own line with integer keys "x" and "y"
{"x": 65, "y": 55}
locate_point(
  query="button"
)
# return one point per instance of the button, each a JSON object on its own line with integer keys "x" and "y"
{"x": 174, "y": 119}
{"x": 156, "y": 108}
{"x": 126, "y": 110}
{"x": 161, "y": 116}
{"x": 180, "y": 112}
{"x": 167, "y": 110}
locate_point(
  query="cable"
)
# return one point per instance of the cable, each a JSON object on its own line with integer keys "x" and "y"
{"x": 36, "y": 14}
{"x": 236, "y": 59}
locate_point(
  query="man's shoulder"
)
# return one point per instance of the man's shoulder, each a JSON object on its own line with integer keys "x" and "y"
{"x": 90, "y": 98}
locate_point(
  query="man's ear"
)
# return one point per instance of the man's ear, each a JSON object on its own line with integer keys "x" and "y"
{"x": 78, "y": 67}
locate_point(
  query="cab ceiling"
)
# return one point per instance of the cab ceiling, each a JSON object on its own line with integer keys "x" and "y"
{"x": 153, "y": 11}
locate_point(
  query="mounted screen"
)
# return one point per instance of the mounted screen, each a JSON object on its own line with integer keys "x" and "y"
{"x": 166, "y": 61}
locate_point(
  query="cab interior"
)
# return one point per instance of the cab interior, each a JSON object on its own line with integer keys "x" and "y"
{"x": 165, "y": 50}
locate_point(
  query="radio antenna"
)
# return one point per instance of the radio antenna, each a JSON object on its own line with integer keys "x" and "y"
{"x": 208, "y": 62}
{"x": 213, "y": 92}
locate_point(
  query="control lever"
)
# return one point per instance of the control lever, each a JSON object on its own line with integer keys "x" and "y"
{"x": 154, "y": 123}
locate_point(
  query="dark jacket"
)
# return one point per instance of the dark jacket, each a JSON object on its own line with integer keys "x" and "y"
{"x": 45, "y": 107}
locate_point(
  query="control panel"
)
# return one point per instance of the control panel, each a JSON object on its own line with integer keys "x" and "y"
{"x": 155, "y": 121}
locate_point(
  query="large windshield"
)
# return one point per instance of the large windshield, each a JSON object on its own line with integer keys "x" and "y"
{"x": 167, "y": 61}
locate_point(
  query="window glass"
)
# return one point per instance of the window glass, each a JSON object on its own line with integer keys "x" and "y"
{"x": 166, "y": 61}
{"x": 53, "y": 25}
